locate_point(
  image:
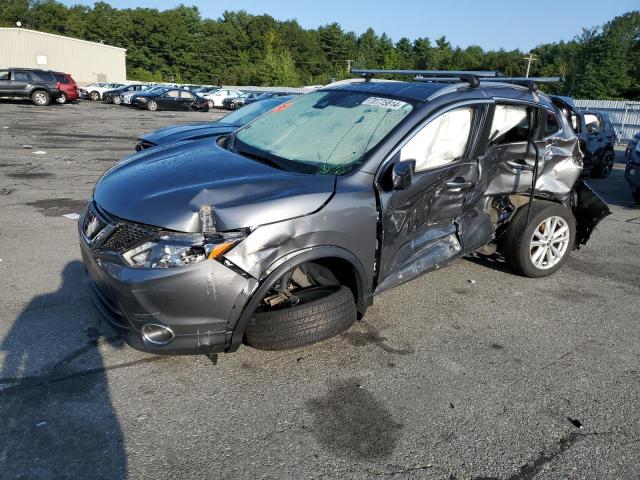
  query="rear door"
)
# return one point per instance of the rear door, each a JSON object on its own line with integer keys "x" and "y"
{"x": 420, "y": 227}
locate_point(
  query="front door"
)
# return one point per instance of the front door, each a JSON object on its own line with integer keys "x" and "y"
{"x": 170, "y": 100}
{"x": 20, "y": 83}
{"x": 419, "y": 224}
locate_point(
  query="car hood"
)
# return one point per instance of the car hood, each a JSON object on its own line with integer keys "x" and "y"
{"x": 167, "y": 186}
{"x": 189, "y": 131}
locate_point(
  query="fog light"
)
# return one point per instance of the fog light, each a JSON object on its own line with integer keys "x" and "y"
{"x": 157, "y": 334}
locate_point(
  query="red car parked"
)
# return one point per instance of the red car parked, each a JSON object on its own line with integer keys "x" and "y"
{"x": 68, "y": 87}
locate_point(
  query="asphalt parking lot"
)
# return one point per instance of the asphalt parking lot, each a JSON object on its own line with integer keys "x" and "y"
{"x": 468, "y": 372}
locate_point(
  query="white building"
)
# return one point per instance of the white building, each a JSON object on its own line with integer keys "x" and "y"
{"x": 87, "y": 62}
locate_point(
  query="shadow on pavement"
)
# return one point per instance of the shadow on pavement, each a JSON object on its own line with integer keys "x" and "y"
{"x": 58, "y": 422}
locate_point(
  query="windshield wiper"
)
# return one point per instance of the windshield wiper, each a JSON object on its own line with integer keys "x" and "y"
{"x": 261, "y": 159}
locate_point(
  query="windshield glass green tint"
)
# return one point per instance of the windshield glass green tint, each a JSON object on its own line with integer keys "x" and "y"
{"x": 327, "y": 131}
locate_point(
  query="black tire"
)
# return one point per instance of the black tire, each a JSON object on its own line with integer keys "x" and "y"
{"x": 636, "y": 194}
{"x": 517, "y": 246}
{"x": 205, "y": 107}
{"x": 95, "y": 96}
{"x": 117, "y": 100}
{"x": 62, "y": 99}
{"x": 152, "y": 105}
{"x": 604, "y": 166}
{"x": 41, "y": 98}
{"x": 303, "y": 324}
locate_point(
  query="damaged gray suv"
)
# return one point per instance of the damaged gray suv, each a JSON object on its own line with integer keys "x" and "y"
{"x": 280, "y": 234}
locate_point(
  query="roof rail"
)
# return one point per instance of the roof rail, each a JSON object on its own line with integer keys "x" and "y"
{"x": 472, "y": 77}
{"x": 431, "y": 73}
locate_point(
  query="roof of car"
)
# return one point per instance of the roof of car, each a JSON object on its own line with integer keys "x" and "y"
{"x": 424, "y": 91}
{"x": 418, "y": 91}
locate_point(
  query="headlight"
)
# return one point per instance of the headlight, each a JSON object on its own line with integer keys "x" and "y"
{"x": 177, "y": 250}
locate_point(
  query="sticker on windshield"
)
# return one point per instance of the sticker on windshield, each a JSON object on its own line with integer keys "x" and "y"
{"x": 384, "y": 103}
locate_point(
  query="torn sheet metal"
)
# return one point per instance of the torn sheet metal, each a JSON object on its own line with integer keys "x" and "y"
{"x": 508, "y": 169}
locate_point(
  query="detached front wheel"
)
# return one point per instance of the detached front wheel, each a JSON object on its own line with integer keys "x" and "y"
{"x": 539, "y": 248}
{"x": 318, "y": 313}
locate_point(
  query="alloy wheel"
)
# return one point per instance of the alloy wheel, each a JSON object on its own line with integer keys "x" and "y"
{"x": 40, "y": 98}
{"x": 549, "y": 242}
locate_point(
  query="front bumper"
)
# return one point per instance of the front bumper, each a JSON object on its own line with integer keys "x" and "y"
{"x": 200, "y": 303}
{"x": 632, "y": 171}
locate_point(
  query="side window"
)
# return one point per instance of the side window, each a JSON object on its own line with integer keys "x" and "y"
{"x": 185, "y": 94}
{"x": 4, "y": 75}
{"x": 511, "y": 124}
{"x": 60, "y": 78}
{"x": 441, "y": 141}
{"x": 20, "y": 76}
{"x": 172, "y": 94}
{"x": 592, "y": 121}
{"x": 552, "y": 124}
{"x": 42, "y": 77}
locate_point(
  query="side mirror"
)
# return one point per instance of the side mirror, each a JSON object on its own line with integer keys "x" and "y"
{"x": 402, "y": 174}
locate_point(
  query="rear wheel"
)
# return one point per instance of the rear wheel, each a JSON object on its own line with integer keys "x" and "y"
{"x": 95, "y": 96}
{"x": 636, "y": 194}
{"x": 604, "y": 167}
{"x": 306, "y": 306}
{"x": 41, "y": 98}
{"x": 540, "y": 247}
{"x": 62, "y": 99}
{"x": 210, "y": 103}
{"x": 117, "y": 100}
{"x": 152, "y": 105}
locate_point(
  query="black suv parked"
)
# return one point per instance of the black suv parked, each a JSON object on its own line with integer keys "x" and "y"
{"x": 40, "y": 86}
{"x": 280, "y": 233}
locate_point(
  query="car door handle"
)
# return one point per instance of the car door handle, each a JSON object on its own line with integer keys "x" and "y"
{"x": 459, "y": 184}
{"x": 519, "y": 165}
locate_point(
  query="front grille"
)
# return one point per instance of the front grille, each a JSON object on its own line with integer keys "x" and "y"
{"x": 126, "y": 236}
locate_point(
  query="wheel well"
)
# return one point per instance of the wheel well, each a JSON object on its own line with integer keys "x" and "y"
{"x": 341, "y": 263}
{"x": 503, "y": 208}
{"x": 346, "y": 275}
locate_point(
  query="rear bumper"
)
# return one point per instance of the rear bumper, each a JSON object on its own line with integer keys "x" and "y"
{"x": 200, "y": 303}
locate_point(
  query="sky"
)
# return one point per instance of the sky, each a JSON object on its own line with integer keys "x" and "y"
{"x": 492, "y": 24}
